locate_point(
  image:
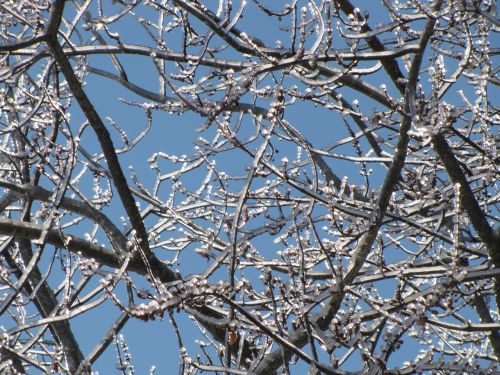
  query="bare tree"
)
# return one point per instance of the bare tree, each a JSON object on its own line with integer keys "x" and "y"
{"x": 339, "y": 200}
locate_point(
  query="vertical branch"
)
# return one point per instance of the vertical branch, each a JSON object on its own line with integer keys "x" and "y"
{"x": 299, "y": 338}
{"x": 107, "y": 146}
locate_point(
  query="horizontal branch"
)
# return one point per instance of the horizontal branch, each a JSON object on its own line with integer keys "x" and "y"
{"x": 217, "y": 62}
{"x": 32, "y": 192}
{"x": 101, "y": 254}
{"x": 22, "y": 44}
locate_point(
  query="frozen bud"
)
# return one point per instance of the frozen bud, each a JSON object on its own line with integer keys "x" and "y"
{"x": 153, "y": 306}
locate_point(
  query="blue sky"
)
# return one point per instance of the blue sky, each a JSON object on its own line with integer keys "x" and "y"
{"x": 153, "y": 343}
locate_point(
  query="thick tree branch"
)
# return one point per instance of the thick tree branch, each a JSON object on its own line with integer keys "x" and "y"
{"x": 299, "y": 337}
{"x": 390, "y": 64}
{"x": 46, "y": 301}
{"x": 85, "y": 365}
{"x": 467, "y": 199}
{"x": 108, "y": 148}
{"x": 301, "y": 262}
{"x": 478, "y": 220}
{"x": 107, "y": 257}
{"x": 32, "y": 192}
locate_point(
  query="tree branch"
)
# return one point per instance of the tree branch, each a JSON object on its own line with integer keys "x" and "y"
{"x": 299, "y": 338}
{"x": 107, "y": 146}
